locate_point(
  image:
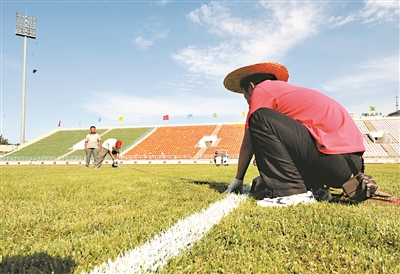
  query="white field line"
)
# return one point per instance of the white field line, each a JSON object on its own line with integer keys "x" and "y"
{"x": 155, "y": 253}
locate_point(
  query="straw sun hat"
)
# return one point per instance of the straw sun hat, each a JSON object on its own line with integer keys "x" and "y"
{"x": 232, "y": 80}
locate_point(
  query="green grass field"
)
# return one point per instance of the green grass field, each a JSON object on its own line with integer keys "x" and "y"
{"x": 68, "y": 219}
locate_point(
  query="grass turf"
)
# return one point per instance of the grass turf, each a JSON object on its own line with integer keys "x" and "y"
{"x": 69, "y": 219}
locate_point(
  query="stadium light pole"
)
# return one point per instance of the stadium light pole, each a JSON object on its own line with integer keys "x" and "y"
{"x": 25, "y": 27}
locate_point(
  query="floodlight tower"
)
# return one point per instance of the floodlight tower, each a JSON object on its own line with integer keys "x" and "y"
{"x": 25, "y": 27}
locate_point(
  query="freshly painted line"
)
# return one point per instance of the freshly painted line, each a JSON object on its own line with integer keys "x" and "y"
{"x": 155, "y": 253}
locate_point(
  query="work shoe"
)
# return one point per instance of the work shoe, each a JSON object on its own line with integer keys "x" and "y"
{"x": 303, "y": 198}
{"x": 360, "y": 187}
{"x": 259, "y": 189}
{"x": 323, "y": 194}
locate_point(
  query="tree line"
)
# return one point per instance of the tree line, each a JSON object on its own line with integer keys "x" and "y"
{"x": 3, "y": 141}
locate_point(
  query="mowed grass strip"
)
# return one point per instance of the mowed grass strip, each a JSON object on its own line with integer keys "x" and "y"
{"x": 316, "y": 238}
{"x": 71, "y": 219}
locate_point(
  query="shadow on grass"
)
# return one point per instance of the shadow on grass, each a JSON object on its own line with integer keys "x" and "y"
{"x": 218, "y": 186}
{"x": 221, "y": 187}
{"x": 338, "y": 199}
{"x": 36, "y": 263}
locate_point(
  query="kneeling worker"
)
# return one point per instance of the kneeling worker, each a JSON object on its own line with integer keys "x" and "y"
{"x": 304, "y": 141}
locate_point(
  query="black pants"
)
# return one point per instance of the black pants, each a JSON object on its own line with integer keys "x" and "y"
{"x": 288, "y": 159}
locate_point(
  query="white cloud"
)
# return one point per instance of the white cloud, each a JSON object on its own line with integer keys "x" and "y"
{"x": 185, "y": 84}
{"x": 154, "y": 31}
{"x": 339, "y": 21}
{"x": 373, "y": 11}
{"x": 367, "y": 78}
{"x": 142, "y": 43}
{"x": 220, "y": 23}
{"x": 269, "y": 36}
{"x": 8, "y": 62}
{"x": 282, "y": 26}
{"x": 163, "y": 2}
{"x": 130, "y": 106}
{"x": 378, "y": 10}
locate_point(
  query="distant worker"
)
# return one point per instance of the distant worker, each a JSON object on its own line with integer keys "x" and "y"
{"x": 112, "y": 147}
{"x": 215, "y": 157}
{"x": 218, "y": 160}
{"x": 226, "y": 160}
{"x": 92, "y": 145}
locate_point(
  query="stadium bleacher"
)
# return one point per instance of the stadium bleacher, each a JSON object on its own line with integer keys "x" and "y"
{"x": 59, "y": 145}
{"x": 231, "y": 137}
{"x": 182, "y": 142}
{"x": 396, "y": 147}
{"x": 391, "y": 126}
{"x": 128, "y": 136}
{"x": 54, "y": 145}
{"x": 361, "y": 126}
{"x": 374, "y": 150}
{"x": 171, "y": 142}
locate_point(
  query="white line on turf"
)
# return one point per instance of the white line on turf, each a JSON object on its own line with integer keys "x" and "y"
{"x": 155, "y": 253}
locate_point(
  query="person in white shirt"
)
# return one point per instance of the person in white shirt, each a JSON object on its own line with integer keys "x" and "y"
{"x": 92, "y": 144}
{"x": 110, "y": 146}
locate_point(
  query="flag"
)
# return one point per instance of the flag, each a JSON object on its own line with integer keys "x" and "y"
{"x": 190, "y": 115}
{"x": 142, "y": 118}
{"x": 243, "y": 113}
{"x": 79, "y": 122}
{"x": 215, "y": 114}
{"x": 165, "y": 117}
{"x": 372, "y": 108}
{"x": 59, "y": 123}
{"x": 99, "y": 120}
{"x": 121, "y": 118}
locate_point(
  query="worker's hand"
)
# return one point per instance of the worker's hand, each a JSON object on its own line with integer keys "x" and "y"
{"x": 235, "y": 186}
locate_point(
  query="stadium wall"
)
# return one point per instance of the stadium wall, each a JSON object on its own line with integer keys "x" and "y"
{"x": 165, "y": 162}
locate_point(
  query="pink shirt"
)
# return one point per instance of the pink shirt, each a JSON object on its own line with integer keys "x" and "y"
{"x": 328, "y": 122}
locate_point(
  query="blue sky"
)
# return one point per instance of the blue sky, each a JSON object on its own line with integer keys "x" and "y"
{"x": 106, "y": 59}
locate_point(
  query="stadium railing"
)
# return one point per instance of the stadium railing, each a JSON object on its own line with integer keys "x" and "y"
{"x": 155, "y": 157}
{"x": 28, "y": 158}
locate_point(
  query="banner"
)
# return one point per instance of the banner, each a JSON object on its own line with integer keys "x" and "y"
{"x": 165, "y": 117}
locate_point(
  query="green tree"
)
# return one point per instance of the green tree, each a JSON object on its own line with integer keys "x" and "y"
{"x": 3, "y": 141}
